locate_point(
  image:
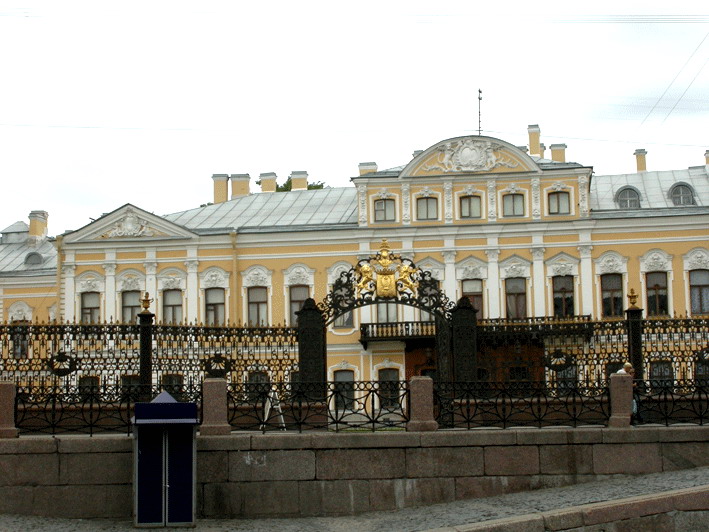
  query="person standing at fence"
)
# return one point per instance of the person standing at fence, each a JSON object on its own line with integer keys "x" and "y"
{"x": 628, "y": 369}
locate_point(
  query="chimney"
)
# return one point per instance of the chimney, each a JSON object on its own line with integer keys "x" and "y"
{"x": 706, "y": 157}
{"x": 221, "y": 185}
{"x": 542, "y": 149}
{"x": 367, "y": 168}
{"x": 268, "y": 182}
{"x": 533, "y": 131}
{"x": 38, "y": 226}
{"x": 558, "y": 153}
{"x": 239, "y": 185}
{"x": 298, "y": 180}
{"x": 640, "y": 159}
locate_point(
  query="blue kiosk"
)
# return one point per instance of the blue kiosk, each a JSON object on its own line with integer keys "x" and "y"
{"x": 165, "y": 462}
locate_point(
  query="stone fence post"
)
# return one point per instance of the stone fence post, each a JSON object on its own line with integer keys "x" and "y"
{"x": 421, "y": 405}
{"x": 7, "y": 410}
{"x": 621, "y": 391}
{"x": 215, "y": 415}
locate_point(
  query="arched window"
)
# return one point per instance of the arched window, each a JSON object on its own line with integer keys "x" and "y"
{"x": 470, "y": 207}
{"x": 559, "y": 203}
{"x": 628, "y": 198}
{"x": 427, "y": 209}
{"x": 384, "y": 210}
{"x": 513, "y": 205}
{"x": 33, "y": 259}
{"x": 682, "y": 195}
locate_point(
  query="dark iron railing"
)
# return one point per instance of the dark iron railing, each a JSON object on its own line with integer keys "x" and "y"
{"x": 49, "y": 408}
{"x": 519, "y": 404}
{"x": 669, "y": 402}
{"x": 332, "y": 406}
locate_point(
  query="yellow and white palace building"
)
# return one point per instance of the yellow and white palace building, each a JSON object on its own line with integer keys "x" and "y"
{"x": 521, "y": 234}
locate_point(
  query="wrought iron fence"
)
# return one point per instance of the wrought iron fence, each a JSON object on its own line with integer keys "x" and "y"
{"x": 519, "y": 404}
{"x": 332, "y": 406}
{"x": 668, "y": 402}
{"x": 46, "y": 407}
{"x": 83, "y": 355}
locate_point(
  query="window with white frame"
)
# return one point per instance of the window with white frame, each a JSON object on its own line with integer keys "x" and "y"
{"x": 699, "y": 291}
{"x": 473, "y": 290}
{"x": 130, "y": 305}
{"x": 172, "y": 306}
{"x": 682, "y": 195}
{"x": 384, "y": 210}
{"x": 258, "y": 305}
{"x": 214, "y": 306}
{"x": 470, "y": 207}
{"x": 386, "y": 312}
{"x": 611, "y": 295}
{"x": 90, "y": 307}
{"x": 389, "y": 388}
{"x": 513, "y": 205}
{"x": 516, "y": 297}
{"x": 559, "y": 203}
{"x": 563, "y": 292}
{"x": 298, "y": 294}
{"x": 427, "y": 209}
{"x": 628, "y": 198}
{"x": 657, "y": 301}
{"x": 344, "y": 389}
{"x": 344, "y": 321}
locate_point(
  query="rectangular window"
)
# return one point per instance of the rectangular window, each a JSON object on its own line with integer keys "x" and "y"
{"x": 427, "y": 209}
{"x": 559, "y": 203}
{"x": 386, "y": 312}
{"x": 516, "y": 297}
{"x": 258, "y": 306}
{"x": 470, "y": 207}
{"x": 298, "y": 295}
{"x": 130, "y": 306}
{"x": 657, "y": 303}
{"x": 90, "y": 307}
{"x": 563, "y": 288}
{"x": 214, "y": 306}
{"x": 384, "y": 210}
{"x": 513, "y": 205}
{"x": 699, "y": 291}
{"x": 344, "y": 389}
{"x": 612, "y": 294}
{"x": 344, "y": 321}
{"x": 389, "y": 389}
{"x": 473, "y": 290}
{"x": 661, "y": 374}
{"x": 172, "y": 306}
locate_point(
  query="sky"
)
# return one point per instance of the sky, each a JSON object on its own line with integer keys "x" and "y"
{"x": 106, "y": 103}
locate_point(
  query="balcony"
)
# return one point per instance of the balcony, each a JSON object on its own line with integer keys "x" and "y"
{"x": 396, "y": 331}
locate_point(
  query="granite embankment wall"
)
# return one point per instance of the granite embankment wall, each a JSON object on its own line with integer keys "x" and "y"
{"x": 332, "y": 474}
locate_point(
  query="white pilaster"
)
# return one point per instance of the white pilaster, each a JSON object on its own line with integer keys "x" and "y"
{"x": 151, "y": 283}
{"x": 493, "y": 283}
{"x": 449, "y": 283}
{"x": 538, "y": 281}
{"x": 69, "y": 271}
{"x": 110, "y": 287}
{"x": 586, "y": 279}
{"x": 192, "y": 297}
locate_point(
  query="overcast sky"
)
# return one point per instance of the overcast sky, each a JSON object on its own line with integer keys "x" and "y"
{"x": 107, "y": 103}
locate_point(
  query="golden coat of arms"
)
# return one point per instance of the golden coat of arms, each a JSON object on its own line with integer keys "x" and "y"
{"x": 386, "y": 274}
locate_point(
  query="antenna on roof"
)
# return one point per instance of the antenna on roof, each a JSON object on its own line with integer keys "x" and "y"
{"x": 480, "y": 99}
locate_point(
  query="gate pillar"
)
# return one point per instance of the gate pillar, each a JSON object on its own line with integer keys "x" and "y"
{"x": 312, "y": 346}
{"x": 464, "y": 341}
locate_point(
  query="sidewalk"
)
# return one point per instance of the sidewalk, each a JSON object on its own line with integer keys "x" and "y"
{"x": 452, "y": 516}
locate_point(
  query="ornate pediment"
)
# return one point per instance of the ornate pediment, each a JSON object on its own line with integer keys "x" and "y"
{"x": 470, "y": 155}
{"x": 131, "y": 225}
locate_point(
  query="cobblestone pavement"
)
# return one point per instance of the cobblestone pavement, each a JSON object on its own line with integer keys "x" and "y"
{"x": 411, "y": 519}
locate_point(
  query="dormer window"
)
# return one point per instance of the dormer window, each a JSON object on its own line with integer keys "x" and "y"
{"x": 628, "y": 198}
{"x": 33, "y": 259}
{"x": 682, "y": 195}
{"x": 559, "y": 203}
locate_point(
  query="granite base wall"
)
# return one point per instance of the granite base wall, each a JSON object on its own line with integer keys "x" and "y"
{"x": 248, "y": 475}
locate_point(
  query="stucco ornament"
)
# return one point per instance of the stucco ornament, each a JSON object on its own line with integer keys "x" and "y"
{"x": 516, "y": 269}
{"x": 562, "y": 268}
{"x": 491, "y": 201}
{"x": 448, "y": 199}
{"x": 90, "y": 285}
{"x": 257, "y": 277}
{"x": 383, "y": 194}
{"x": 698, "y": 260}
{"x": 362, "y": 197}
{"x": 656, "y": 262}
{"x": 171, "y": 283}
{"x": 583, "y": 196}
{"x": 130, "y": 283}
{"x": 469, "y": 155}
{"x": 405, "y": 203}
{"x": 536, "y": 199}
{"x": 299, "y": 276}
{"x": 425, "y": 192}
{"x": 20, "y": 311}
{"x": 471, "y": 272}
{"x": 611, "y": 264}
{"x": 214, "y": 279}
{"x": 129, "y": 226}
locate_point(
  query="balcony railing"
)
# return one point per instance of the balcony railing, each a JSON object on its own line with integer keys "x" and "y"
{"x": 400, "y": 330}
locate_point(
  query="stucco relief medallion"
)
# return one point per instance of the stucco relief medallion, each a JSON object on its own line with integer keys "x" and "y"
{"x": 611, "y": 264}
{"x": 562, "y": 268}
{"x": 129, "y": 226}
{"x": 469, "y": 155}
{"x": 699, "y": 260}
{"x": 656, "y": 262}
{"x": 214, "y": 279}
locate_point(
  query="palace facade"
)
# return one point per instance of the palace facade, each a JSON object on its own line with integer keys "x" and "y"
{"x": 522, "y": 235}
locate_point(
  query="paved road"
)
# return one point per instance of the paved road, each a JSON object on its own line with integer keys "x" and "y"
{"x": 410, "y": 519}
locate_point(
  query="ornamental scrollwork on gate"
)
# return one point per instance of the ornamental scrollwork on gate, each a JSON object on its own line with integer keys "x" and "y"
{"x": 385, "y": 277}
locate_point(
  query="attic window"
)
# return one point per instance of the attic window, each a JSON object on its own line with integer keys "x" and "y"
{"x": 33, "y": 259}
{"x": 682, "y": 195}
{"x": 628, "y": 198}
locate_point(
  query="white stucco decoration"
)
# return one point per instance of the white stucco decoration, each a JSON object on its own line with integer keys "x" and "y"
{"x": 257, "y": 276}
{"x": 561, "y": 265}
{"x": 19, "y": 311}
{"x": 383, "y": 194}
{"x": 299, "y": 274}
{"x": 334, "y": 271}
{"x": 469, "y": 155}
{"x": 436, "y": 268}
{"x": 656, "y": 260}
{"x": 471, "y": 268}
{"x": 214, "y": 278}
{"x": 89, "y": 283}
{"x": 171, "y": 281}
{"x": 129, "y": 226}
{"x": 697, "y": 259}
{"x": 611, "y": 262}
{"x": 514, "y": 267}
{"x": 130, "y": 282}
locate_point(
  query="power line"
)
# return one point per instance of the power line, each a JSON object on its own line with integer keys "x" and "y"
{"x": 685, "y": 90}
